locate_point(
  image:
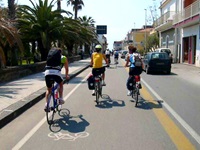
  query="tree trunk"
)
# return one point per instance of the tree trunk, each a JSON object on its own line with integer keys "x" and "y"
{"x": 14, "y": 59}
{"x": 58, "y": 4}
{"x": 43, "y": 51}
{"x": 11, "y": 9}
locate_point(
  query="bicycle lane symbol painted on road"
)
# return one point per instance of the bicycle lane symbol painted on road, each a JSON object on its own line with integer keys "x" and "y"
{"x": 67, "y": 136}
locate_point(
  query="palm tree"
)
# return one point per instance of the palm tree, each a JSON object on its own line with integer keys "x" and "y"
{"x": 90, "y": 34}
{"x": 87, "y": 21}
{"x": 77, "y": 5}
{"x": 11, "y": 9}
{"x": 58, "y": 4}
{"x": 42, "y": 24}
{"x": 8, "y": 37}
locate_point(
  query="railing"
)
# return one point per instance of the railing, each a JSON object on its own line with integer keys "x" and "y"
{"x": 188, "y": 12}
{"x": 162, "y": 2}
{"x": 164, "y": 18}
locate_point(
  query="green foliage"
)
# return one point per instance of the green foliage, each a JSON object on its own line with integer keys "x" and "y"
{"x": 41, "y": 23}
{"x": 152, "y": 41}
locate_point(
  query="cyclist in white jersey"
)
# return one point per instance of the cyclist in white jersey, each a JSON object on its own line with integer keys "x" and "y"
{"x": 55, "y": 74}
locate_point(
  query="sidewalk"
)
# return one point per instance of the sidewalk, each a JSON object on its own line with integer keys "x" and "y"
{"x": 19, "y": 95}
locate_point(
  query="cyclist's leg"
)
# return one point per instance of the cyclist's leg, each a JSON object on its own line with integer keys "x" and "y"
{"x": 59, "y": 80}
{"x": 138, "y": 72}
{"x": 94, "y": 74}
{"x": 115, "y": 60}
{"x": 49, "y": 87}
{"x": 103, "y": 76}
{"x": 131, "y": 74}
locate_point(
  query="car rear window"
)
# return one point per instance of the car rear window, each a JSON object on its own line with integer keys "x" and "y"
{"x": 159, "y": 56}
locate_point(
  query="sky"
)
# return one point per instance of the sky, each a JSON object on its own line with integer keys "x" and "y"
{"x": 120, "y": 16}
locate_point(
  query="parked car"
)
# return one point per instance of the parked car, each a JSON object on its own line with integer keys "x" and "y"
{"x": 167, "y": 50}
{"x": 157, "y": 62}
{"x": 123, "y": 54}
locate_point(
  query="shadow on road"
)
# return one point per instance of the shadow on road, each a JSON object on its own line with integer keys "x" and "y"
{"x": 145, "y": 104}
{"x": 108, "y": 102}
{"x": 72, "y": 124}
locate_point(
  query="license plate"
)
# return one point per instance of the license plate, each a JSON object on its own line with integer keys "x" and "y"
{"x": 159, "y": 63}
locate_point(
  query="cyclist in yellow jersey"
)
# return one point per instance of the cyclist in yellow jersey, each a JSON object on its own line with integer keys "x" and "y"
{"x": 97, "y": 64}
{"x": 54, "y": 72}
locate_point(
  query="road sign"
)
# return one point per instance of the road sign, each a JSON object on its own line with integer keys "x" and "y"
{"x": 101, "y": 29}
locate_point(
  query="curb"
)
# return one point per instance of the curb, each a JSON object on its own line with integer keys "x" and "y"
{"x": 21, "y": 106}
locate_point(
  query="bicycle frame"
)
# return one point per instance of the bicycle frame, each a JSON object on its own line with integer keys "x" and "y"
{"x": 135, "y": 91}
{"x": 98, "y": 87}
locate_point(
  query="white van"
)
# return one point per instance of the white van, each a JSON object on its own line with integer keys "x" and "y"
{"x": 166, "y": 50}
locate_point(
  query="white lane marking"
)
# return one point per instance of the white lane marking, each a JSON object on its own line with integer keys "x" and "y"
{"x": 32, "y": 132}
{"x": 176, "y": 116}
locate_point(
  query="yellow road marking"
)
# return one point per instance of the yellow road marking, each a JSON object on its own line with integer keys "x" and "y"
{"x": 178, "y": 138}
{"x": 175, "y": 134}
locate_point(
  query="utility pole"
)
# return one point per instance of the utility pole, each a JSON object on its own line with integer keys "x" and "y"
{"x": 134, "y": 34}
{"x": 145, "y": 30}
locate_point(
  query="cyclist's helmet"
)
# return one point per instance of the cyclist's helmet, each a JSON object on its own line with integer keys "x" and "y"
{"x": 98, "y": 48}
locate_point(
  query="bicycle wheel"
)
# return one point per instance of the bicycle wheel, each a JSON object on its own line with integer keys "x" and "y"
{"x": 50, "y": 110}
{"x": 136, "y": 96}
{"x": 97, "y": 92}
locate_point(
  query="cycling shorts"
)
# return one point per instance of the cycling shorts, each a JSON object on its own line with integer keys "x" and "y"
{"x": 108, "y": 56}
{"x": 135, "y": 71}
{"x": 116, "y": 57}
{"x": 50, "y": 78}
{"x": 98, "y": 71}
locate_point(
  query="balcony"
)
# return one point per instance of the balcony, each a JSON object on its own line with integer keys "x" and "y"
{"x": 165, "y": 21}
{"x": 189, "y": 13}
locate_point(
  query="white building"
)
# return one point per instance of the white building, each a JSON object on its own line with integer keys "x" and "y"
{"x": 187, "y": 23}
{"x": 179, "y": 29}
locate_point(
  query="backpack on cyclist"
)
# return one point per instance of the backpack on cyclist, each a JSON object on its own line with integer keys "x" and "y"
{"x": 116, "y": 54}
{"x": 130, "y": 83}
{"x": 91, "y": 82}
{"x": 137, "y": 63}
{"x": 54, "y": 58}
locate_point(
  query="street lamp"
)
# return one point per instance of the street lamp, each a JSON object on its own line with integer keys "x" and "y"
{"x": 145, "y": 30}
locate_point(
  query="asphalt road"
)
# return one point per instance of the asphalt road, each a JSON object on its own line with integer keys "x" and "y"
{"x": 116, "y": 123}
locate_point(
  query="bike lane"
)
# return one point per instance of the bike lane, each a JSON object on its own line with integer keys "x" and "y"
{"x": 84, "y": 132}
{"x": 115, "y": 124}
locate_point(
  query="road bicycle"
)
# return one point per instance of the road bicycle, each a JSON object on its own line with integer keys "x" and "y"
{"x": 53, "y": 105}
{"x": 135, "y": 92}
{"x": 98, "y": 87}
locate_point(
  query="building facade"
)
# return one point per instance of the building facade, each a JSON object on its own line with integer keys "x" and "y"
{"x": 179, "y": 29}
{"x": 164, "y": 26}
{"x": 187, "y": 23}
{"x": 137, "y": 37}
